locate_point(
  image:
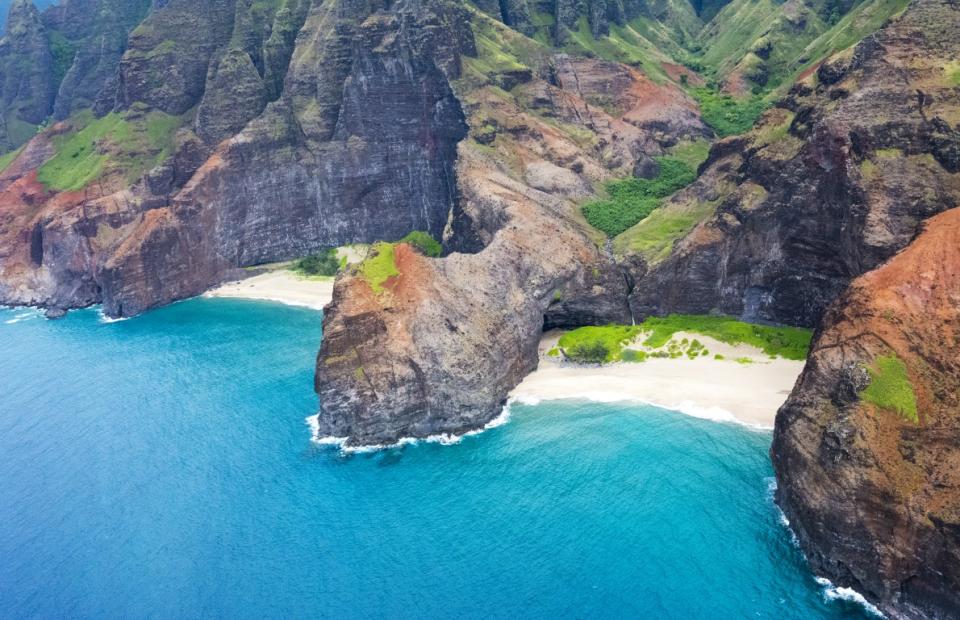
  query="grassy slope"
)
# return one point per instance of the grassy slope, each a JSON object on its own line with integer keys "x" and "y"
{"x": 745, "y": 30}
{"x": 129, "y": 144}
{"x": 632, "y": 200}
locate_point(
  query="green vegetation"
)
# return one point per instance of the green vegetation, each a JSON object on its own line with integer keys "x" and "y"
{"x": 63, "y": 52}
{"x": 653, "y": 238}
{"x": 789, "y": 342}
{"x": 633, "y": 355}
{"x": 622, "y": 44}
{"x": 691, "y": 153}
{"x": 424, "y": 242}
{"x": 952, "y": 72}
{"x": 380, "y": 267}
{"x": 727, "y": 115}
{"x": 632, "y": 200}
{"x": 325, "y": 263}
{"x": 597, "y": 344}
{"x": 131, "y": 144}
{"x": 7, "y": 159}
{"x": 608, "y": 343}
{"x": 890, "y": 387}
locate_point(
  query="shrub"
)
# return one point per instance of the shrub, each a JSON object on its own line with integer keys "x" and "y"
{"x": 424, "y": 242}
{"x": 595, "y": 351}
{"x": 633, "y": 355}
{"x": 325, "y": 263}
{"x": 597, "y": 344}
{"x": 726, "y": 115}
{"x": 632, "y": 200}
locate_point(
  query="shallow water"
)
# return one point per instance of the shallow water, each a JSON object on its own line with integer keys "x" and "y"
{"x": 161, "y": 467}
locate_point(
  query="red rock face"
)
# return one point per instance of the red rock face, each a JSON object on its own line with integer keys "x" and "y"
{"x": 875, "y": 497}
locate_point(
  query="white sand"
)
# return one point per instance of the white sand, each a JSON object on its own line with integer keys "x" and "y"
{"x": 282, "y": 286}
{"x": 703, "y": 387}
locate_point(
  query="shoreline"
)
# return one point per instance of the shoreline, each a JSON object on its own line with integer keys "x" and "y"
{"x": 721, "y": 390}
{"x": 280, "y": 286}
{"x": 707, "y": 389}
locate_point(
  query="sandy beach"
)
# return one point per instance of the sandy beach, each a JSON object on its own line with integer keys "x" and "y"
{"x": 748, "y": 393}
{"x": 282, "y": 286}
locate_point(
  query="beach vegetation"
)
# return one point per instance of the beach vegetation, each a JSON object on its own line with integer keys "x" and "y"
{"x": 380, "y": 266}
{"x": 788, "y": 342}
{"x": 597, "y": 344}
{"x": 324, "y": 263}
{"x": 890, "y": 387}
{"x": 424, "y": 242}
{"x": 634, "y": 355}
{"x": 631, "y": 200}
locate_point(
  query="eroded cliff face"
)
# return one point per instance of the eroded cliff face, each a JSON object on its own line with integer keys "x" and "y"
{"x": 359, "y": 146}
{"x": 871, "y": 485}
{"x": 835, "y": 180}
{"x": 437, "y": 346}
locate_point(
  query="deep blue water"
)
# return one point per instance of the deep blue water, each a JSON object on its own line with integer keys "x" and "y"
{"x": 160, "y": 467}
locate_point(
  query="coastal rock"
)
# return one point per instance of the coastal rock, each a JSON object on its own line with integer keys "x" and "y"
{"x": 824, "y": 189}
{"x": 873, "y": 493}
{"x": 437, "y": 346}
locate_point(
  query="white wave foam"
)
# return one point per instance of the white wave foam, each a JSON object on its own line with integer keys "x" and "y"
{"x": 108, "y": 319}
{"x": 833, "y": 593}
{"x": 686, "y": 407}
{"x": 24, "y": 314}
{"x": 781, "y": 516}
{"x": 445, "y": 439}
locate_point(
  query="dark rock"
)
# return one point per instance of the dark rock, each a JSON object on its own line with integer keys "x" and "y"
{"x": 872, "y": 495}
{"x": 55, "y": 313}
{"x": 646, "y": 167}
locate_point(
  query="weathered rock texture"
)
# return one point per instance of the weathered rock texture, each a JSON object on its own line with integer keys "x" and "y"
{"x": 873, "y": 497}
{"x": 359, "y": 146}
{"x": 837, "y": 179}
{"x": 440, "y": 347}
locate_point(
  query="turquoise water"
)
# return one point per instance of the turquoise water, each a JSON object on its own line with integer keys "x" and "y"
{"x": 161, "y": 467}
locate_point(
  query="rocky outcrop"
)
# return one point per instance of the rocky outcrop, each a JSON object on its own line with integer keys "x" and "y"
{"x": 836, "y": 180}
{"x": 437, "y": 347}
{"x": 87, "y": 39}
{"x": 872, "y": 490}
{"x": 359, "y": 147}
{"x": 27, "y": 86}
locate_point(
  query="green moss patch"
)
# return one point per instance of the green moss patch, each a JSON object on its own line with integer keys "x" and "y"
{"x": 890, "y": 387}
{"x": 788, "y": 342}
{"x": 380, "y": 267}
{"x": 632, "y": 200}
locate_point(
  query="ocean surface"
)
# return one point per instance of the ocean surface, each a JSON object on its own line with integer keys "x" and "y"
{"x": 161, "y": 467}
